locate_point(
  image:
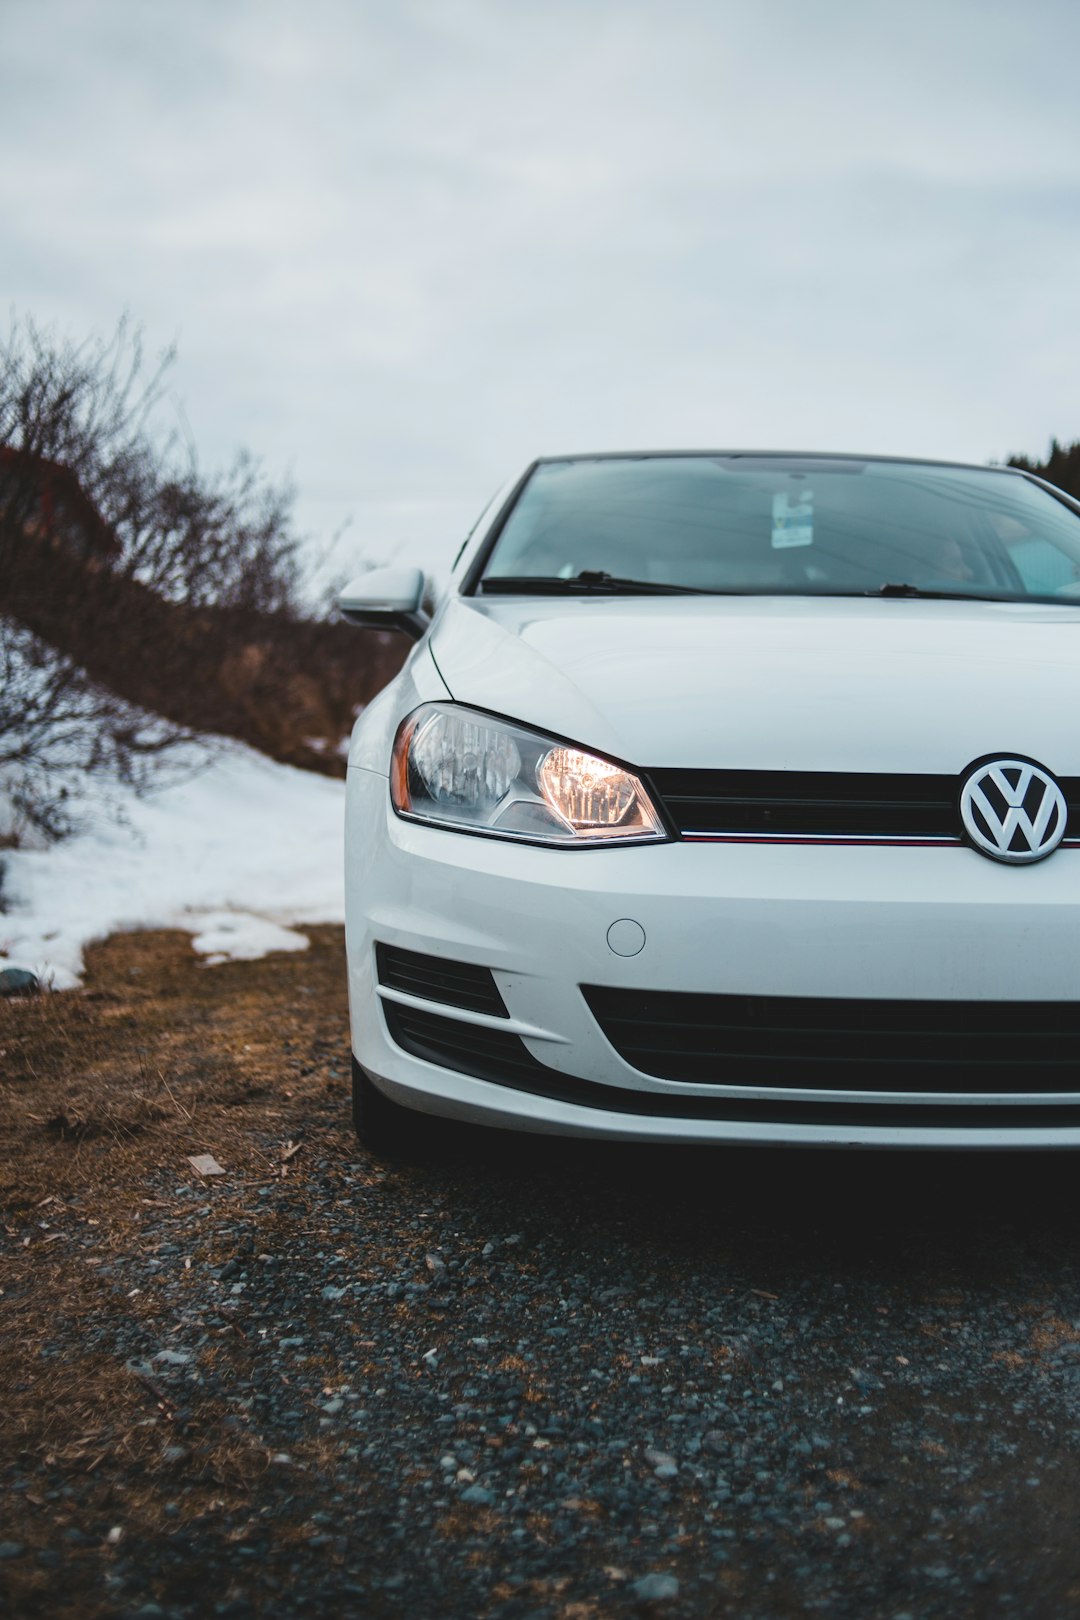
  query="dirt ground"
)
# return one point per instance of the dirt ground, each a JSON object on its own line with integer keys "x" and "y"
{"x": 156, "y": 1059}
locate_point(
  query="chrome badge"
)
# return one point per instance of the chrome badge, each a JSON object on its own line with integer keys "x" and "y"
{"x": 1013, "y": 810}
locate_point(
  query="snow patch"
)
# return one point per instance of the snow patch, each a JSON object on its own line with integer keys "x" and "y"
{"x": 240, "y": 936}
{"x": 237, "y": 854}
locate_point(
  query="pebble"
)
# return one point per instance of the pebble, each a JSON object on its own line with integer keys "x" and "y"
{"x": 656, "y": 1588}
{"x": 662, "y": 1464}
{"x": 11, "y": 1549}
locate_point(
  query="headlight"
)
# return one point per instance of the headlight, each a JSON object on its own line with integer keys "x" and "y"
{"x": 455, "y": 767}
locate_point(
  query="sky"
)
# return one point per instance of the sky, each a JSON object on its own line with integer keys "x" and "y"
{"x": 404, "y": 247}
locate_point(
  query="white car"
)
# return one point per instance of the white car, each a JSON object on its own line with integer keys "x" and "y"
{"x": 728, "y": 797}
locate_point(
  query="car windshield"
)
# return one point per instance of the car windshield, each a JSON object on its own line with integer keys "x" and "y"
{"x": 780, "y": 525}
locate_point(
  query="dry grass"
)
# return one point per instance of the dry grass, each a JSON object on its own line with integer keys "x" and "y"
{"x": 158, "y": 1046}
{"x": 103, "y": 1093}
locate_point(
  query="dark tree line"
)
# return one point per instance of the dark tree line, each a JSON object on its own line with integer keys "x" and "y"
{"x": 1061, "y": 467}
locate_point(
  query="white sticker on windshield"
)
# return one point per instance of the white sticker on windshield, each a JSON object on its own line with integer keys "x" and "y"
{"x": 793, "y": 525}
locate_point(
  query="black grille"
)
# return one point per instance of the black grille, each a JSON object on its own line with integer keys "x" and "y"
{"x": 488, "y": 1054}
{"x": 840, "y": 1045}
{"x": 436, "y": 978}
{"x": 818, "y": 804}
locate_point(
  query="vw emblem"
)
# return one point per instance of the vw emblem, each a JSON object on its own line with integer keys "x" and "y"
{"x": 1013, "y": 810}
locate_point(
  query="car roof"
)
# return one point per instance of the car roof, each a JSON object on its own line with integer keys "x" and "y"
{"x": 774, "y": 455}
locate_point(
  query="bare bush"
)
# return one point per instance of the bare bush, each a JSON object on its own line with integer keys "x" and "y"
{"x": 93, "y": 460}
{"x": 121, "y": 563}
{"x": 57, "y": 728}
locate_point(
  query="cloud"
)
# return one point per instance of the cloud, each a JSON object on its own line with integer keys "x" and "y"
{"x": 405, "y": 248}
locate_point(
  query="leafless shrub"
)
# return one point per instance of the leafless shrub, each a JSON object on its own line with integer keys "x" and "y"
{"x": 94, "y": 460}
{"x": 57, "y": 729}
{"x": 114, "y": 548}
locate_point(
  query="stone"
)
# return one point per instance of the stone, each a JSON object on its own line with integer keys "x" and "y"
{"x": 478, "y": 1496}
{"x": 205, "y": 1164}
{"x": 656, "y": 1588}
{"x": 18, "y": 982}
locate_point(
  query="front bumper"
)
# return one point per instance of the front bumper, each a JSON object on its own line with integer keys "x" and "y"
{"x": 904, "y": 925}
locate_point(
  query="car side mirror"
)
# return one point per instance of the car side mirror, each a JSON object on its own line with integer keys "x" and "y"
{"x": 386, "y": 599}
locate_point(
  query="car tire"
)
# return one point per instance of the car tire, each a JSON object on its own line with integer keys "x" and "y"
{"x": 384, "y": 1127}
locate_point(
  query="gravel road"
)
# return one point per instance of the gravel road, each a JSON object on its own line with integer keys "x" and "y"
{"x": 546, "y": 1379}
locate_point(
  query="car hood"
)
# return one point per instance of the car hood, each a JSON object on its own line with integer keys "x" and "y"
{"x": 775, "y": 683}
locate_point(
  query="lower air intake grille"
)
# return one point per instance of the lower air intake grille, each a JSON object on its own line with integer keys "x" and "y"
{"x": 1016, "y": 1047}
{"x": 486, "y": 1054}
{"x": 436, "y": 978}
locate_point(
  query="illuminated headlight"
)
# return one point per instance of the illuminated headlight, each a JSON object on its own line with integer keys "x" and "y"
{"x": 458, "y": 768}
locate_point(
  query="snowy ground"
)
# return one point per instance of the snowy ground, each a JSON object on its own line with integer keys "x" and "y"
{"x": 238, "y": 853}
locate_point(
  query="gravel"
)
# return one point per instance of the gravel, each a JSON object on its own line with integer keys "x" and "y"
{"x": 551, "y": 1379}
{"x": 627, "y": 1379}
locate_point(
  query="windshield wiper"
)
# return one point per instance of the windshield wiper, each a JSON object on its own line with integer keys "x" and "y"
{"x": 596, "y": 582}
{"x": 905, "y": 589}
{"x": 591, "y": 581}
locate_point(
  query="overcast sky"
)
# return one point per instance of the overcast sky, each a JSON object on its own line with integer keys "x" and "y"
{"x": 406, "y": 246}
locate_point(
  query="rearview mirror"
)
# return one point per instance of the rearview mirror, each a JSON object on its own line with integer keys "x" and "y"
{"x": 386, "y": 599}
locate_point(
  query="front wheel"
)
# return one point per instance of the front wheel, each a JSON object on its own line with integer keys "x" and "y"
{"x": 384, "y": 1127}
